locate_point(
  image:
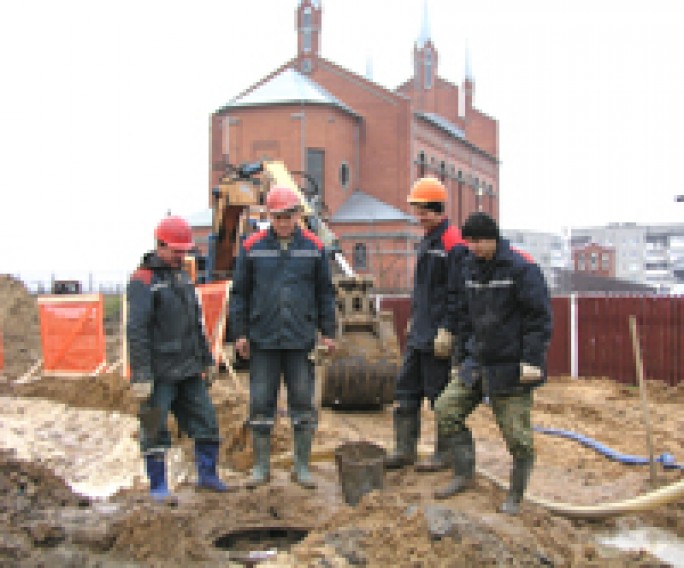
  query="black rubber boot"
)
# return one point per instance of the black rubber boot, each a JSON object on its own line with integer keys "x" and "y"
{"x": 440, "y": 458}
{"x": 406, "y": 429}
{"x": 261, "y": 448}
{"x": 463, "y": 459}
{"x": 520, "y": 476}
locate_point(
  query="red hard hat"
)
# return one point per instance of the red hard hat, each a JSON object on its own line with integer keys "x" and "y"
{"x": 281, "y": 199}
{"x": 175, "y": 233}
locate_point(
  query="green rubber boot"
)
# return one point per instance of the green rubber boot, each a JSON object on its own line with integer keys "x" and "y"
{"x": 463, "y": 460}
{"x": 261, "y": 448}
{"x": 406, "y": 429}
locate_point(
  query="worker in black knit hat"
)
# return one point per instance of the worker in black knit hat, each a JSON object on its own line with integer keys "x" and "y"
{"x": 504, "y": 332}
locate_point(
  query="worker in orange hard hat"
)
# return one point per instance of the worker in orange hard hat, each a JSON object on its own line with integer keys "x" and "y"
{"x": 430, "y": 337}
{"x": 170, "y": 361}
{"x": 282, "y": 296}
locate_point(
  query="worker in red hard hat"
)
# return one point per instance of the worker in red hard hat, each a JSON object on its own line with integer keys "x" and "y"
{"x": 282, "y": 297}
{"x": 430, "y": 340}
{"x": 170, "y": 361}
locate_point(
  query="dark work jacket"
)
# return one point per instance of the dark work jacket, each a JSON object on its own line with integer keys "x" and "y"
{"x": 166, "y": 339}
{"x": 280, "y": 298}
{"x": 507, "y": 319}
{"x": 438, "y": 269}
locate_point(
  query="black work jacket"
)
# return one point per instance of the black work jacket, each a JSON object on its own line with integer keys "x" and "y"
{"x": 507, "y": 319}
{"x": 438, "y": 269}
{"x": 166, "y": 339}
{"x": 280, "y": 298}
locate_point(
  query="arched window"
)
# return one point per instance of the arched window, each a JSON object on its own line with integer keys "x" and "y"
{"x": 360, "y": 256}
{"x": 421, "y": 164}
{"x": 428, "y": 70}
{"x": 344, "y": 175}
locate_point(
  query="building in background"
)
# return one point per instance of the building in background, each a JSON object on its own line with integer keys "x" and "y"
{"x": 550, "y": 250}
{"x": 594, "y": 259}
{"x": 652, "y": 255}
{"x": 364, "y": 145}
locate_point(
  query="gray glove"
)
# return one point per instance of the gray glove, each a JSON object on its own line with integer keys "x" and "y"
{"x": 529, "y": 373}
{"x": 142, "y": 390}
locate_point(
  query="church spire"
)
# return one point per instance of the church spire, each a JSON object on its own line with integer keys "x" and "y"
{"x": 424, "y": 36}
{"x": 308, "y": 25}
{"x": 424, "y": 55}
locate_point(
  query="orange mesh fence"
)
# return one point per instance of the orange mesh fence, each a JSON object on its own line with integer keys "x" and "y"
{"x": 214, "y": 297}
{"x": 72, "y": 334}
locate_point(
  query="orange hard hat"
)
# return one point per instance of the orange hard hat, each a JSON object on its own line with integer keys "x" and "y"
{"x": 281, "y": 199}
{"x": 175, "y": 233}
{"x": 427, "y": 190}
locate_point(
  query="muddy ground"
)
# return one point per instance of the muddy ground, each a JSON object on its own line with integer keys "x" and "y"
{"x": 73, "y": 493}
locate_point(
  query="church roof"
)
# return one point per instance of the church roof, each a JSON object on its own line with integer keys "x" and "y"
{"x": 442, "y": 123}
{"x": 363, "y": 208}
{"x": 289, "y": 87}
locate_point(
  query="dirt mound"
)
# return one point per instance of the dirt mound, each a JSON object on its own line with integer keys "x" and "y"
{"x": 28, "y": 492}
{"x": 20, "y": 323}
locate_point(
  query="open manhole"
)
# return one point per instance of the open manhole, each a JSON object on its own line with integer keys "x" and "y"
{"x": 253, "y": 544}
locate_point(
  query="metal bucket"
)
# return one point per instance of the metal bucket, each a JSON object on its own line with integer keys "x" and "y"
{"x": 360, "y": 466}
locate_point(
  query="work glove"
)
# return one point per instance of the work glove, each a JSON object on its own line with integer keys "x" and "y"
{"x": 443, "y": 343}
{"x": 210, "y": 375}
{"x": 142, "y": 390}
{"x": 529, "y": 373}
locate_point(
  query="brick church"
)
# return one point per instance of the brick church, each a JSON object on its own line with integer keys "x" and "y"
{"x": 365, "y": 145}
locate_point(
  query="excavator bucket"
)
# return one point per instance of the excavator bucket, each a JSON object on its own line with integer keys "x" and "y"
{"x": 362, "y": 371}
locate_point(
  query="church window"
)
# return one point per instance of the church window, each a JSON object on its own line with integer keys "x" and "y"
{"x": 360, "y": 256}
{"x": 428, "y": 70}
{"x": 344, "y": 175}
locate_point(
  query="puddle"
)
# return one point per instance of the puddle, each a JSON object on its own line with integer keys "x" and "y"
{"x": 661, "y": 544}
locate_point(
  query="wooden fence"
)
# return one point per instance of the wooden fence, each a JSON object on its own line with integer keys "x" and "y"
{"x": 591, "y": 335}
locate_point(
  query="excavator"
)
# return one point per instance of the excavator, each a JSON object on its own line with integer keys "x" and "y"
{"x": 361, "y": 372}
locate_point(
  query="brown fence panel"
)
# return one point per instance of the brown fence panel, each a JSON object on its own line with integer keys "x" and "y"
{"x": 605, "y": 344}
{"x": 558, "y": 359}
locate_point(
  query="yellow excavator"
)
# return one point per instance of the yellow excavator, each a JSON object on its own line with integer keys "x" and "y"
{"x": 361, "y": 373}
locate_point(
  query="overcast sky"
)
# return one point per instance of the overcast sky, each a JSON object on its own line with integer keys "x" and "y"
{"x": 105, "y": 108}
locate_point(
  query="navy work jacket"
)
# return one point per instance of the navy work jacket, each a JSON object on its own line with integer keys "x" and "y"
{"x": 435, "y": 285}
{"x": 166, "y": 339}
{"x": 280, "y": 298}
{"x": 507, "y": 319}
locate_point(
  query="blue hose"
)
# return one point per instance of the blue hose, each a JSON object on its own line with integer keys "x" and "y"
{"x": 667, "y": 460}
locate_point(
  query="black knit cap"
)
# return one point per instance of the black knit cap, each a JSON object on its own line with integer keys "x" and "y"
{"x": 480, "y": 226}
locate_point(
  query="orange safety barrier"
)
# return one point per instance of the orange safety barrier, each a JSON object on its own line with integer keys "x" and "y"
{"x": 72, "y": 334}
{"x": 213, "y": 298}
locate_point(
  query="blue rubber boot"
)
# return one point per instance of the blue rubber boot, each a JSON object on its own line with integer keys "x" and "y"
{"x": 155, "y": 467}
{"x": 205, "y": 459}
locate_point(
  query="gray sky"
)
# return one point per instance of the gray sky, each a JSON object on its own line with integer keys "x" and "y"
{"x": 105, "y": 108}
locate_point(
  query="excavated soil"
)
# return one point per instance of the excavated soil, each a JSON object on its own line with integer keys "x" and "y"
{"x": 66, "y": 438}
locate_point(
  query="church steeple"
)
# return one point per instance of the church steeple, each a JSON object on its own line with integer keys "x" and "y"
{"x": 308, "y": 25}
{"x": 425, "y": 56}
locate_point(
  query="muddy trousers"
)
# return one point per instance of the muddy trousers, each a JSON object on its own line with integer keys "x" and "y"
{"x": 266, "y": 368}
{"x": 512, "y": 413}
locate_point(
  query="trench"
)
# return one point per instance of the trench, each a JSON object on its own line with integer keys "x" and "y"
{"x": 251, "y": 545}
